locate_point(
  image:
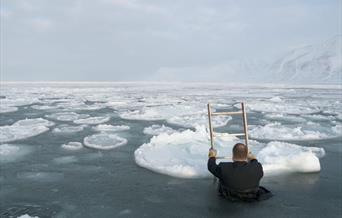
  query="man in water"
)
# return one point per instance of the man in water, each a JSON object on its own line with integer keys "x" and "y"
{"x": 239, "y": 180}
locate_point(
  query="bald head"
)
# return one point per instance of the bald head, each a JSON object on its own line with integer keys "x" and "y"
{"x": 240, "y": 152}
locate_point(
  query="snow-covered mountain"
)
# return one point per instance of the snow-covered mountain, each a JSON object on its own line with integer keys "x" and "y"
{"x": 312, "y": 64}
{"x": 235, "y": 70}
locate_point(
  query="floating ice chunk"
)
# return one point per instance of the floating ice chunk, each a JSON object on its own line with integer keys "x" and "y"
{"x": 279, "y": 157}
{"x": 16, "y": 101}
{"x": 27, "y": 216}
{"x": 66, "y": 129}
{"x": 34, "y": 122}
{"x": 276, "y": 107}
{"x": 23, "y": 129}
{"x": 10, "y": 153}
{"x": 337, "y": 129}
{"x": 44, "y": 107}
{"x": 104, "y": 141}
{"x": 67, "y": 116}
{"x": 110, "y": 128}
{"x": 65, "y": 160}
{"x": 318, "y": 117}
{"x": 92, "y": 120}
{"x": 276, "y": 99}
{"x": 158, "y": 129}
{"x": 72, "y": 146}
{"x": 276, "y": 131}
{"x": 285, "y": 117}
{"x": 161, "y": 112}
{"x": 181, "y": 154}
{"x": 7, "y": 109}
{"x": 184, "y": 154}
{"x": 198, "y": 119}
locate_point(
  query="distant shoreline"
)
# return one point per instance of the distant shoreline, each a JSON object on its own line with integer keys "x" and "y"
{"x": 236, "y": 84}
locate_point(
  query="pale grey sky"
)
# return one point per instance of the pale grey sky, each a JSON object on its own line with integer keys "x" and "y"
{"x": 132, "y": 40}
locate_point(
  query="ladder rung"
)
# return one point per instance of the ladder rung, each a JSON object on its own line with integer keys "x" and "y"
{"x": 228, "y": 134}
{"x": 237, "y": 134}
{"x": 222, "y": 157}
{"x": 227, "y": 113}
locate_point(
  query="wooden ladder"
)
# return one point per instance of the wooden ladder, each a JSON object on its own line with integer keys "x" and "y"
{"x": 242, "y": 112}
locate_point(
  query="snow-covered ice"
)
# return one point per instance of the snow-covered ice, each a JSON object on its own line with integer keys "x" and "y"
{"x": 277, "y": 131}
{"x": 158, "y": 129}
{"x": 67, "y": 129}
{"x": 162, "y": 112}
{"x": 23, "y": 129}
{"x": 67, "y": 116}
{"x": 184, "y": 154}
{"x": 27, "y": 216}
{"x": 104, "y": 141}
{"x": 198, "y": 119}
{"x": 110, "y": 128}
{"x": 285, "y": 157}
{"x": 279, "y": 107}
{"x": 92, "y": 120}
{"x": 72, "y": 146}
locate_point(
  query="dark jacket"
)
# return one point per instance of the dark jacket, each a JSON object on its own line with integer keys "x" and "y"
{"x": 239, "y": 179}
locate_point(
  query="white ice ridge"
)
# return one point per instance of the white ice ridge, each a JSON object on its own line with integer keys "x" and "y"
{"x": 309, "y": 131}
{"x": 110, "y": 128}
{"x": 184, "y": 154}
{"x": 158, "y": 129}
{"x": 104, "y": 141}
{"x": 23, "y": 129}
{"x": 92, "y": 120}
{"x": 67, "y": 116}
{"x": 10, "y": 153}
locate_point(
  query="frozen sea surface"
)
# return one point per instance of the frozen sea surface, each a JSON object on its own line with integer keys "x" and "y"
{"x": 140, "y": 149}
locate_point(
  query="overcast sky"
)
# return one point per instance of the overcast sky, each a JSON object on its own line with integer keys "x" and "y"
{"x": 131, "y": 40}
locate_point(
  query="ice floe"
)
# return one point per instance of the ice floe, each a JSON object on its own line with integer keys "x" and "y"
{"x": 23, "y": 129}
{"x": 110, "y": 128}
{"x": 7, "y": 109}
{"x": 162, "y": 112}
{"x": 72, "y": 146}
{"x": 67, "y": 116}
{"x": 285, "y": 117}
{"x": 158, "y": 129}
{"x": 67, "y": 129}
{"x": 198, "y": 119}
{"x": 104, "y": 141}
{"x": 184, "y": 154}
{"x": 279, "y": 107}
{"x": 92, "y": 120}
{"x": 279, "y": 157}
{"x": 27, "y": 216}
{"x": 309, "y": 131}
{"x": 11, "y": 153}
{"x": 44, "y": 107}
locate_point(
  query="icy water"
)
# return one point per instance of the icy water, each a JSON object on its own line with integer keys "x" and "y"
{"x": 106, "y": 171}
